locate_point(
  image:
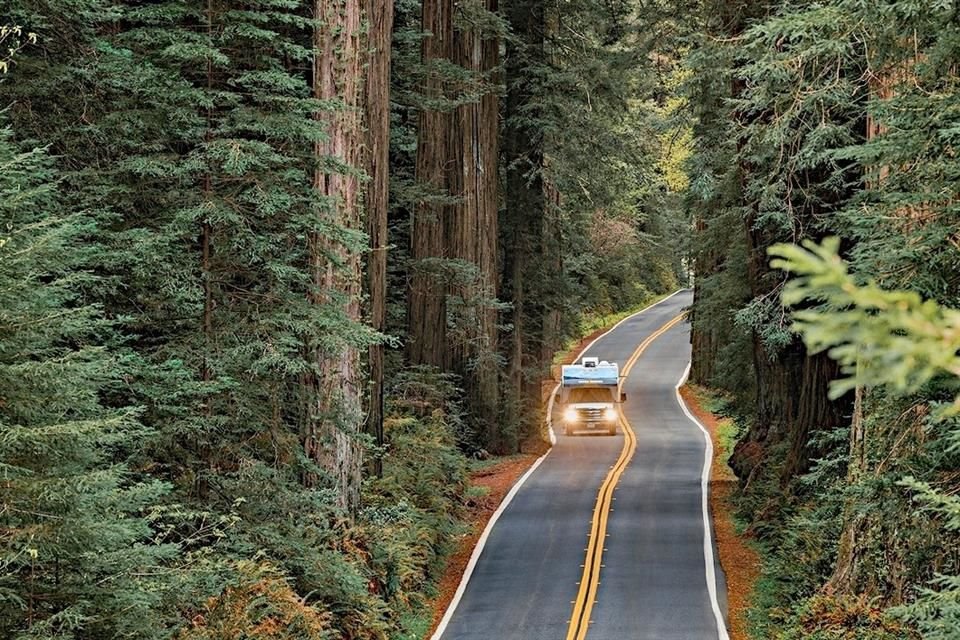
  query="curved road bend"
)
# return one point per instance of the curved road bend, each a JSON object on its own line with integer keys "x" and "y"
{"x": 653, "y": 584}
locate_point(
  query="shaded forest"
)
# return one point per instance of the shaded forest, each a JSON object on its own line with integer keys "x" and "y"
{"x": 274, "y": 272}
{"x": 833, "y": 124}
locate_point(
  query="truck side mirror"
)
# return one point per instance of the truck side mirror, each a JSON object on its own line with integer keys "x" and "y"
{"x": 623, "y": 397}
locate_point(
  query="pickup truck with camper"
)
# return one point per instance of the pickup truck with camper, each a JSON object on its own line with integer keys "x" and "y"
{"x": 589, "y": 395}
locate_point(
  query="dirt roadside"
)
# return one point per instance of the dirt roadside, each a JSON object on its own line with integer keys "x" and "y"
{"x": 741, "y": 564}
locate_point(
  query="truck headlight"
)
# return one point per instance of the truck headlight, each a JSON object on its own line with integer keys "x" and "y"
{"x": 570, "y": 414}
{"x": 610, "y": 415}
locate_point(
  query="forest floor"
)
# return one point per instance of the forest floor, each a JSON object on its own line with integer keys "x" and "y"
{"x": 740, "y": 561}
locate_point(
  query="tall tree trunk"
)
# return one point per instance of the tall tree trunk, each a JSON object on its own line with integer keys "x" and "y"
{"x": 846, "y": 572}
{"x": 703, "y": 335}
{"x": 551, "y": 227}
{"x": 726, "y": 22}
{"x": 457, "y": 160}
{"x": 472, "y": 234}
{"x": 377, "y": 105}
{"x": 551, "y": 250}
{"x": 845, "y": 578}
{"x": 206, "y": 255}
{"x": 524, "y": 215}
{"x": 427, "y": 299}
{"x": 335, "y": 418}
{"x": 792, "y": 385}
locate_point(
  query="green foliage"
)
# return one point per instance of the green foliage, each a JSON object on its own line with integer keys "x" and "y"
{"x": 621, "y": 225}
{"x": 892, "y": 338}
{"x": 895, "y": 340}
{"x": 186, "y": 134}
{"x": 160, "y": 316}
{"x": 937, "y": 612}
{"x": 257, "y": 602}
{"x": 819, "y": 119}
{"x": 75, "y": 514}
{"x": 718, "y": 250}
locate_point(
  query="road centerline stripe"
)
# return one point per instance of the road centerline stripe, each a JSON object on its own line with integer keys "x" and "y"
{"x": 590, "y": 580}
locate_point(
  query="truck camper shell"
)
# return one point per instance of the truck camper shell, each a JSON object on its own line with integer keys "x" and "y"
{"x": 589, "y": 391}
{"x": 602, "y": 374}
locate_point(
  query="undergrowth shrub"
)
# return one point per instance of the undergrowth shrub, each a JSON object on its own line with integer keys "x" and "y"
{"x": 287, "y": 565}
{"x": 257, "y": 602}
{"x": 825, "y": 617}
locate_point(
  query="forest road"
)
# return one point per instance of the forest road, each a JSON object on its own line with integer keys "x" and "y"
{"x": 652, "y": 580}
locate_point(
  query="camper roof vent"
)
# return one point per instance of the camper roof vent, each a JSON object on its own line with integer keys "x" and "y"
{"x": 590, "y": 362}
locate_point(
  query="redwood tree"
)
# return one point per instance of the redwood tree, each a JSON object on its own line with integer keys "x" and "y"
{"x": 377, "y": 115}
{"x": 452, "y": 310}
{"x": 334, "y": 416}
{"x": 526, "y": 208}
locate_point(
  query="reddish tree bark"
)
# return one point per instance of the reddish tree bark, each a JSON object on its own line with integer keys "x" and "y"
{"x": 377, "y": 115}
{"x": 531, "y": 232}
{"x": 473, "y": 234}
{"x": 334, "y": 415}
{"x": 452, "y": 319}
{"x": 427, "y": 300}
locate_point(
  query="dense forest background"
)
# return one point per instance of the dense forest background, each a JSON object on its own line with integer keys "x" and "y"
{"x": 272, "y": 272}
{"x": 834, "y": 123}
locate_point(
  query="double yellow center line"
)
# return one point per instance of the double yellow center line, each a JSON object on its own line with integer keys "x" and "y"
{"x": 590, "y": 580}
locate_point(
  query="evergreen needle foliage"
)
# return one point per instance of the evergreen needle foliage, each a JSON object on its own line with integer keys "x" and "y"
{"x": 75, "y": 515}
{"x": 828, "y": 125}
{"x": 890, "y": 339}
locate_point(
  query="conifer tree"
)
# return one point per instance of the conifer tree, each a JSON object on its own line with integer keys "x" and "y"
{"x": 218, "y": 152}
{"x": 334, "y": 411}
{"x": 377, "y": 202}
{"x": 583, "y": 217}
{"x": 845, "y": 122}
{"x": 77, "y": 548}
{"x": 452, "y": 311}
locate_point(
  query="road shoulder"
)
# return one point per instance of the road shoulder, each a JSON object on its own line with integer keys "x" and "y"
{"x": 740, "y": 562}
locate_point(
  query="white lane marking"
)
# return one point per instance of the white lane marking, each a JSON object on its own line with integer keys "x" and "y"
{"x": 708, "y": 561}
{"x": 481, "y": 543}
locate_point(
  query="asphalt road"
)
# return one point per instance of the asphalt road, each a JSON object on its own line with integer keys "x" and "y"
{"x": 653, "y": 583}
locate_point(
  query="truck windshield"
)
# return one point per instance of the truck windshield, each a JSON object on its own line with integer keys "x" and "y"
{"x": 588, "y": 394}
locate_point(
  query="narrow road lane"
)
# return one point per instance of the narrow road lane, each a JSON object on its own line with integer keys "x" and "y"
{"x": 653, "y": 582}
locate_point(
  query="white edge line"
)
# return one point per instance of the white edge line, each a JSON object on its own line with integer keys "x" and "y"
{"x": 708, "y": 560}
{"x": 481, "y": 543}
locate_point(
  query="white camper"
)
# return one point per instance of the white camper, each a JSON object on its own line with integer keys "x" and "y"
{"x": 589, "y": 394}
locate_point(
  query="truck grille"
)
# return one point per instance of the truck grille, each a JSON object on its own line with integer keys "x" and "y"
{"x": 590, "y": 415}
